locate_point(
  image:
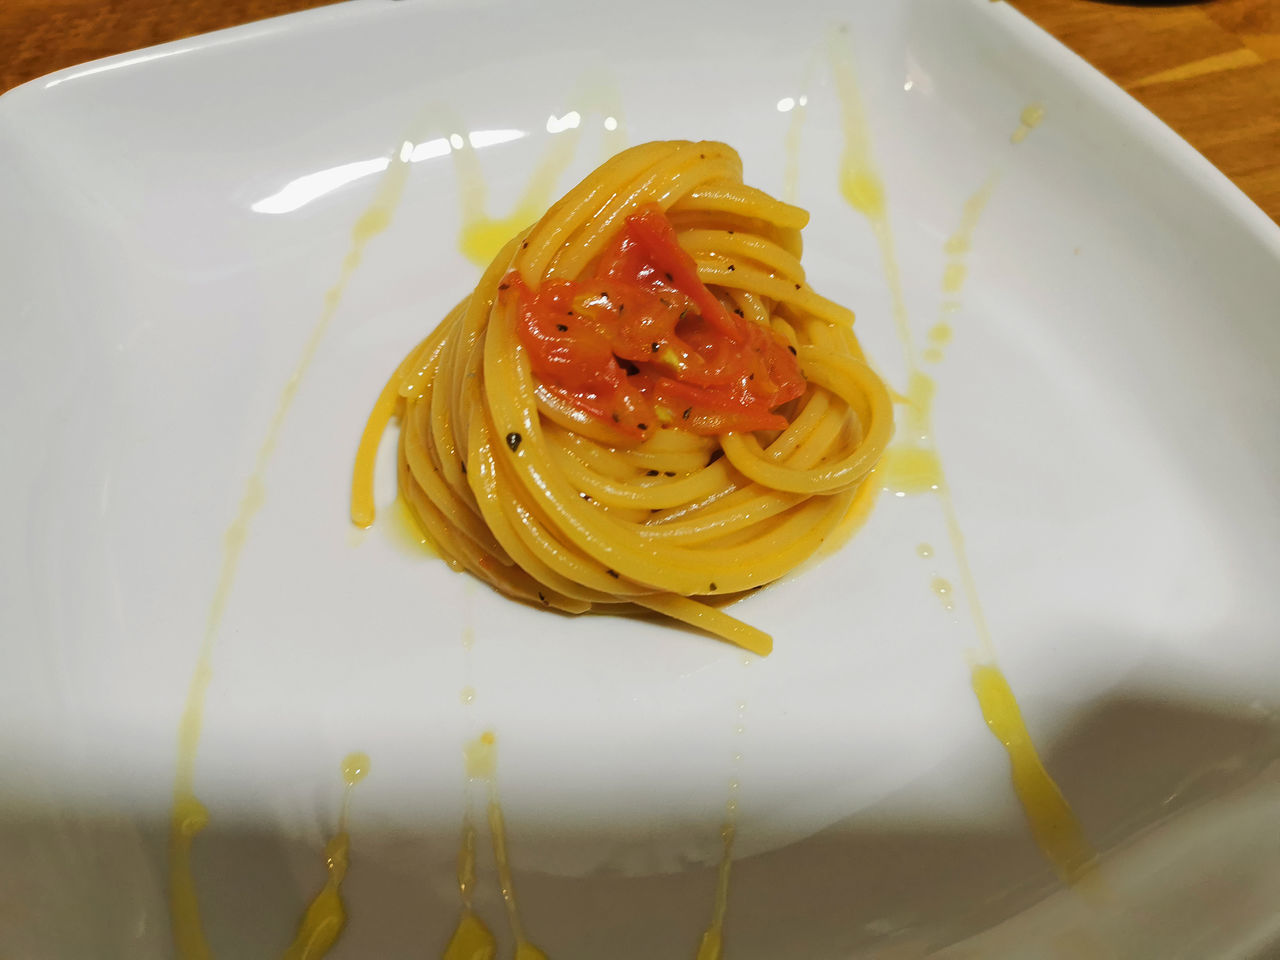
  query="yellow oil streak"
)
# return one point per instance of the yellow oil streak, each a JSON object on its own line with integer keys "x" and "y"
{"x": 916, "y": 468}
{"x": 326, "y": 916}
{"x": 481, "y": 235}
{"x": 961, "y": 241}
{"x": 861, "y": 185}
{"x": 187, "y": 816}
{"x": 712, "y": 943}
{"x": 471, "y": 938}
{"x": 794, "y": 138}
{"x": 1054, "y": 826}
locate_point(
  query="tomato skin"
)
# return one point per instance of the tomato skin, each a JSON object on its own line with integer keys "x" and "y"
{"x": 643, "y": 343}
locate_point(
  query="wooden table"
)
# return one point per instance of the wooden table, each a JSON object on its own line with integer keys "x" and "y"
{"x": 1210, "y": 70}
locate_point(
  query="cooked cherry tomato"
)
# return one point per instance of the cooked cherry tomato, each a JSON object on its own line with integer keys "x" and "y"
{"x": 644, "y": 343}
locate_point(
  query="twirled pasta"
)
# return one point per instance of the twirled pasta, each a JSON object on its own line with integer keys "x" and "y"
{"x": 559, "y": 508}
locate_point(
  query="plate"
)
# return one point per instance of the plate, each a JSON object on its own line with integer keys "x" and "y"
{"x": 182, "y": 229}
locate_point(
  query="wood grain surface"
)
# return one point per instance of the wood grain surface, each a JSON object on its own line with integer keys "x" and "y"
{"x": 1210, "y": 70}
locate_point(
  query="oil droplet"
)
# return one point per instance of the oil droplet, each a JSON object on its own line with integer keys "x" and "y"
{"x": 931, "y": 355}
{"x": 355, "y": 767}
{"x": 468, "y": 638}
{"x": 951, "y": 306}
{"x": 960, "y": 242}
{"x": 910, "y": 470}
{"x": 940, "y": 333}
{"x": 471, "y": 940}
{"x": 943, "y": 589}
{"x": 468, "y": 695}
{"x": 481, "y": 755}
{"x": 1053, "y": 824}
{"x": 953, "y": 276}
{"x": 1030, "y": 119}
{"x": 925, "y": 550}
{"x": 863, "y": 190}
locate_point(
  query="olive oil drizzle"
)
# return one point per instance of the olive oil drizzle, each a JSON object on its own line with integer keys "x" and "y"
{"x": 916, "y": 468}
{"x": 187, "y": 815}
{"x": 471, "y": 938}
{"x": 480, "y": 235}
{"x": 326, "y": 915}
{"x": 712, "y": 944}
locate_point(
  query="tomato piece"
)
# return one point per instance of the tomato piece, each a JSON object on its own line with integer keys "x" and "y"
{"x": 642, "y": 342}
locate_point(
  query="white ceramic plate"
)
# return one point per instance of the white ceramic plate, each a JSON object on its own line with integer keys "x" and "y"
{"x": 1107, "y": 409}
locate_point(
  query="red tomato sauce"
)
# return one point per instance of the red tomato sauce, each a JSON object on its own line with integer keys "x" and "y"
{"x": 642, "y": 343}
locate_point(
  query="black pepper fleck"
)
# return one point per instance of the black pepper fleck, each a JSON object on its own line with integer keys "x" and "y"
{"x": 541, "y": 597}
{"x": 464, "y": 468}
{"x": 797, "y": 286}
{"x": 513, "y": 441}
{"x": 654, "y": 346}
{"x": 651, "y": 473}
{"x": 687, "y": 411}
{"x": 643, "y": 426}
{"x": 614, "y": 574}
{"x": 503, "y": 286}
{"x": 713, "y": 586}
{"x": 731, "y": 267}
{"x": 791, "y": 348}
{"x": 670, "y": 279}
{"x": 738, "y": 311}
{"x": 562, "y": 327}
{"x": 668, "y": 473}
{"x": 525, "y": 245}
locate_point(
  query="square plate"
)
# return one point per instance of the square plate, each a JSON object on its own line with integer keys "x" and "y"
{"x": 1107, "y": 408}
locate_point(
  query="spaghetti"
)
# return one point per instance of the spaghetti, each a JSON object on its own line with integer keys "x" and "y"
{"x": 642, "y": 404}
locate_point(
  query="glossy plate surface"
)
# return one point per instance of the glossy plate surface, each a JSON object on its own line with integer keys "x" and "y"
{"x": 1106, "y": 409}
